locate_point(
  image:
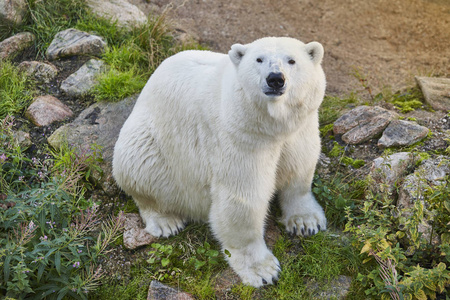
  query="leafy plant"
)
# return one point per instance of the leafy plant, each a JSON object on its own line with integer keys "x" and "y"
{"x": 47, "y": 244}
{"x": 401, "y": 272}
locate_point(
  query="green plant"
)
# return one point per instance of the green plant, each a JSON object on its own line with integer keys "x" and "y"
{"x": 332, "y": 107}
{"x": 77, "y": 166}
{"x": 402, "y": 264}
{"x": 406, "y": 101}
{"x": 47, "y": 242}
{"x": 114, "y": 85}
{"x": 16, "y": 90}
{"x": 46, "y": 18}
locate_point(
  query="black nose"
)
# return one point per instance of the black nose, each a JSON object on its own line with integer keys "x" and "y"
{"x": 275, "y": 80}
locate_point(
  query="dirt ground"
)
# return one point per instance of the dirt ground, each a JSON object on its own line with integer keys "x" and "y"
{"x": 387, "y": 41}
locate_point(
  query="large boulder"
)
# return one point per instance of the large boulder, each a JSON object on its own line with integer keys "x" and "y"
{"x": 99, "y": 124}
{"x": 40, "y": 71}
{"x": 13, "y": 46}
{"x": 75, "y": 42}
{"x": 362, "y": 123}
{"x": 388, "y": 171}
{"x": 84, "y": 79}
{"x": 47, "y": 109}
{"x": 124, "y": 13}
{"x": 12, "y": 12}
{"x": 402, "y": 133}
{"x": 436, "y": 91}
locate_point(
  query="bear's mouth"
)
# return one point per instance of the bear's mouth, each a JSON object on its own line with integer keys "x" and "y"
{"x": 274, "y": 92}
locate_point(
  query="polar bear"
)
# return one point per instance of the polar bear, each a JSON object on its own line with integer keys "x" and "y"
{"x": 212, "y": 137}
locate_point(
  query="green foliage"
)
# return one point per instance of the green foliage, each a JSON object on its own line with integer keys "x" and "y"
{"x": 115, "y": 85}
{"x": 355, "y": 163}
{"x": 403, "y": 263}
{"x": 336, "y": 194}
{"x": 332, "y": 107}
{"x": 77, "y": 166}
{"x": 16, "y": 90}
{"x": 47, "y": 18}
{"x": 46, "y": 228}
{"x": 407, "y": 101}
{"x": 337, "y": 150}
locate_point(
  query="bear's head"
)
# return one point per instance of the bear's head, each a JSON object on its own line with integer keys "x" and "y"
{"x": 273, "y": 67}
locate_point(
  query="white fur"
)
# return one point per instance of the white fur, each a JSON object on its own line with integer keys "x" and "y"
{"x": 204, "y": 142}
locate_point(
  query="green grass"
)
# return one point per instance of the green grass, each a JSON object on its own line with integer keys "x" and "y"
{"x": 47, "y": 18}
{"x": 16, "y": 90}
{"x": 333, "y": 107}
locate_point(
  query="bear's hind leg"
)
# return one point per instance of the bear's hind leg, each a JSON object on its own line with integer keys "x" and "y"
{"x": 159, "y": 224}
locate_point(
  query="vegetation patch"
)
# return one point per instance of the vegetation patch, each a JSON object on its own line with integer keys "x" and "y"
{"x": 16, "y": 90}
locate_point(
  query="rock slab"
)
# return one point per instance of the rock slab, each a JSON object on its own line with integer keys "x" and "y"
{"x": 84, "y": 79}
{"x": 47, "y": 109}
{"x": 12, "y": 12}
{"x": 14, "y": 45}
{"x": 40, "y": 71}
{"x": 436, "y": 91}
{"x": 124, "y": 13}
{"x": 75, "y": 42}
{"x": 386, "y": 172}
{"x": 134, "y": 235}
{"x": 362, "y": 123}
{"x": 99, "y": 124}
{"x": 402, "y": 133}
{"x": 159, "y": 291}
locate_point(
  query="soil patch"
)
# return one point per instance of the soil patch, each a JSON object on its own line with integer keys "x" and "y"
{"x": 388, "y": 41}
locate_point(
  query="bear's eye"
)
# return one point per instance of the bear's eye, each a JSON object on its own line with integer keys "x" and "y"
{"x": 291, "y": 62}
{"x": 259, "y": 60}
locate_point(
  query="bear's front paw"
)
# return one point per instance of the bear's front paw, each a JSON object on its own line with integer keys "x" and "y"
{"x": 162, "y": 225}
{"x": 256, "y": 266}
{"x": 306, "y": 224}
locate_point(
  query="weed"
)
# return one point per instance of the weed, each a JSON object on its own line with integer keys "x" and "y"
{"x": 16, "y": 90}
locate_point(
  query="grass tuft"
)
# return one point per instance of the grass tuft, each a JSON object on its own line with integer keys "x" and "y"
{"x": 16, "y": 90}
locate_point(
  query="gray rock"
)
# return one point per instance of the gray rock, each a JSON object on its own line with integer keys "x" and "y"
{"x": 84, "y": 79}
{"x": 75, "y": 42}
{"x": 124, "y": 13}
{"x": 134, "y": 234}
{"x": 402, "y": 133}
{"x": 14, "y": 45}
{"x": 47, "y": 109}
{"x": 41, "y": 72}
{"x": 159, "y": 291}
{"x": 386, "y": 172}
{"x": 334, "y": 289}
{"x": 99, "y": 124}
{"x": 12, "y": 12}
{"x": 362, "y": 123}
{"x": 431, "y": 173}
{"x": 436, "y": 91}
{"x": 22, "y": 138}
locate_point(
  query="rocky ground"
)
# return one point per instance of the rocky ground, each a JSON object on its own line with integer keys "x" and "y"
{"x": 387, "y": 42}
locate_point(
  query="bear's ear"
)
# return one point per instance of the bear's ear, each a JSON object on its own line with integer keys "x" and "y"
{"x": 315, "y": 51}
{"x": 236, "y": 53}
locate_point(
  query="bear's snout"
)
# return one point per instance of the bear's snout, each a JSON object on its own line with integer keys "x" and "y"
{"x": 275, "y": 81}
